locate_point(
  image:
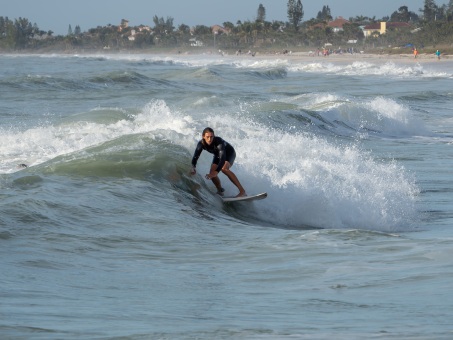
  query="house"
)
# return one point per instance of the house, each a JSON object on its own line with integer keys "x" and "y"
{"x": 381, "y": 27}
{"x": 142, "y": 28}
{"x": 194, "y": 42}
{"x": 337, "y": 24}
{"x": 131, "y": 37}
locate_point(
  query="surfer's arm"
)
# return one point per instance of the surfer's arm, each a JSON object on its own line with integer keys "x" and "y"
{"x": 195, "y": 157}
{"x": 221, "y": 156}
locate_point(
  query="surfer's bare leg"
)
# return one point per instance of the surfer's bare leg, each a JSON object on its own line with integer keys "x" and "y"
{"x": 230, "y": 174}
{"x": 218, "y": 185}
{"x": 216, "y": 180}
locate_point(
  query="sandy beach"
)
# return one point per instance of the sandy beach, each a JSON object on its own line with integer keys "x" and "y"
{"x": 347, "y": 57}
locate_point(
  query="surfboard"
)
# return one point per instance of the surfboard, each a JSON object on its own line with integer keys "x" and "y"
{"x": 261, "y": 196}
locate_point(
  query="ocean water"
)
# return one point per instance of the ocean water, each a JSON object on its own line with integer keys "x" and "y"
{"x": 105, "y": 235}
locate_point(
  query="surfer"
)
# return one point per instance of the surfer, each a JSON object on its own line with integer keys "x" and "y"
{"x": 223, "y": 160}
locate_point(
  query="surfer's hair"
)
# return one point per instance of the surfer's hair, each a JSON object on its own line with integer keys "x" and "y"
{"x": 208, "y": 129}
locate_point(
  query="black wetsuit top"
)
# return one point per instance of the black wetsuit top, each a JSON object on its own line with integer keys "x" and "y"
{"x": 222, "y": 150}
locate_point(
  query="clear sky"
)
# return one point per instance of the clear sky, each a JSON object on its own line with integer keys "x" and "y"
{"x": 57, "y": 15}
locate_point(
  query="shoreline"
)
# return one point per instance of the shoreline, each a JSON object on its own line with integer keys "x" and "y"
{"x": 373, "y": 57}
{"x": 261, "y": 55}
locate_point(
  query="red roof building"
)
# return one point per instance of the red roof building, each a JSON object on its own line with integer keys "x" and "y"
{"x": 337, "y": 24}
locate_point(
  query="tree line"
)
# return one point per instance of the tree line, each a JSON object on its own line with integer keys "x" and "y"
{"x": 433, "y": 26}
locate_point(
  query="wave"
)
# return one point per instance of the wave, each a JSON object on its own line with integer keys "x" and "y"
{"x": 438, "y": 96}
{"x": 280, "y": 66}
{"x": 310, "y": 180}
{"x": 363, "y": 68}
{"x": 43, "y": 82}
{"x": 204, "y": 73}
{"x": 342, "y": 115}
{"x": 102, "y": 76}
{"x": 131, "y": 79}
{"x": 379, "y": 115}
{"x": 278, "y": 73}
{"x": 348, "y": 68}
{"x": 129, "y": 156}
{"x": 122, "y": 77}
{"x": 116, "y": 78}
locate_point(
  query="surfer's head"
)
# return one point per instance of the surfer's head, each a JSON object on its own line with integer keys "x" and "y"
{"x": 208, "y": 135}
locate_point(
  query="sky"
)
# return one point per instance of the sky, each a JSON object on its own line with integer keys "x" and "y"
{"x": 57, "y": 15}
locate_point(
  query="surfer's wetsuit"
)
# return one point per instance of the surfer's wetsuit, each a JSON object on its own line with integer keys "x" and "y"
{"x": 222, "y": 150}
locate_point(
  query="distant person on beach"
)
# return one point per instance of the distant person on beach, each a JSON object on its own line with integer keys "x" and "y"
{"x": 415, "y": 53}
{"x": 224, "y": 156}
{"x": 438, "y": 54}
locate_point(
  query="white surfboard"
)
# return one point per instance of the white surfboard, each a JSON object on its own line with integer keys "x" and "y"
{"x": 245, "y": 198}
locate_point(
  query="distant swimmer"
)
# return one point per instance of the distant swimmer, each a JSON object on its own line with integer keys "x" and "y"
{"x": 224, "y": 156}
{"x": 22, "y": 165}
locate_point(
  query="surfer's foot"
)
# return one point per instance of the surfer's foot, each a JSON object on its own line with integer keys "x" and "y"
{"x": 241, "y": 194}
{"x": 220, "y": 192}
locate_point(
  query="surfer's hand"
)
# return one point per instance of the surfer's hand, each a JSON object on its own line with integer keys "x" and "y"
{"x": 193, "y": 171}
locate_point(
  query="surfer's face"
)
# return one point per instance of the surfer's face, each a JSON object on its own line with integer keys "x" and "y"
{"x": 208, "y": 137}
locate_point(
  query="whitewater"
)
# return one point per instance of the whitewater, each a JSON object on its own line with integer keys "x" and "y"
{"x": 104, "y": 233}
